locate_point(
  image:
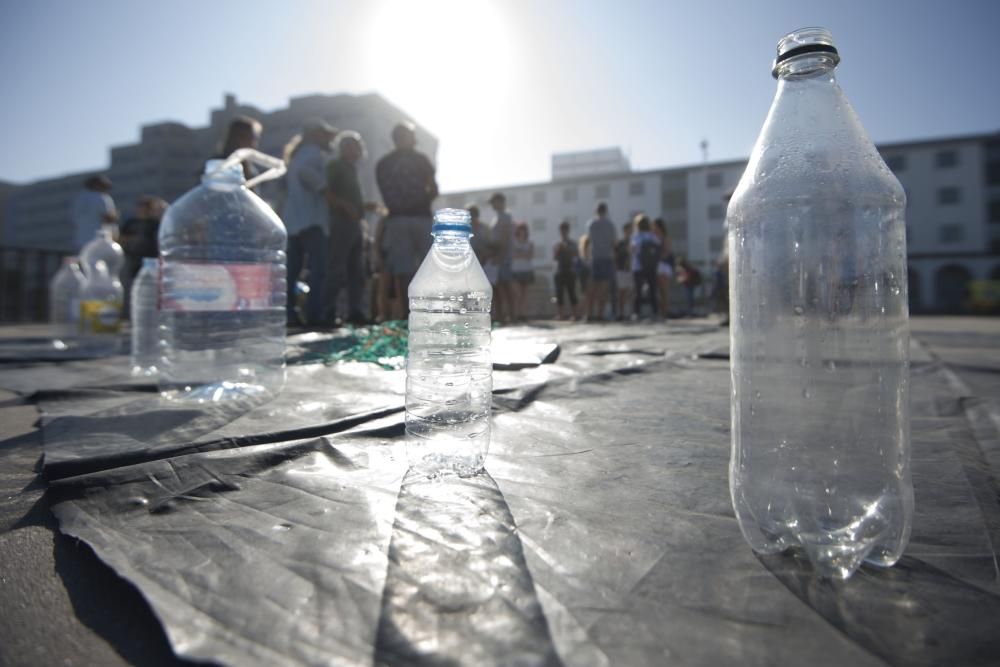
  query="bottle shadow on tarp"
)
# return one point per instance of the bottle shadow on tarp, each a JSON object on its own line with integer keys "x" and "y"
{"x": 904, "y": 614}
{"x": 458, "y": 589}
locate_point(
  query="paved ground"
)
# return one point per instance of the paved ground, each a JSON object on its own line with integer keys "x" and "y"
{"x": 60, "y": 585}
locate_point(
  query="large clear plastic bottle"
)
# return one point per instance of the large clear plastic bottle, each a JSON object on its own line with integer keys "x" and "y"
{"x": 449, "y": 373}
{"x": 145, "y": 318}
{"x": 222, "y": 291}
{"x": 819, "y": 332}
{"x": 102, "y": 248}
{"x": 64, "y": 302}
{"x": 101, "y": 310}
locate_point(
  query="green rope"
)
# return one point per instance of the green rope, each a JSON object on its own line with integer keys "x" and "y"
{"x": 381, "y": 344}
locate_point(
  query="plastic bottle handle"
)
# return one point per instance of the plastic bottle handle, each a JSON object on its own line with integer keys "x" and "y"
{"x": 275, "y": 166}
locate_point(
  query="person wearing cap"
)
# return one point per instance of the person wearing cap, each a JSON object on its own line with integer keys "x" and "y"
{"x": 91, "y": 208}
{"x": 306, "y": 217}
{"x": 408, "y": 186}
{"x": 502, "y": 232}
{"x": 347, "y": 209}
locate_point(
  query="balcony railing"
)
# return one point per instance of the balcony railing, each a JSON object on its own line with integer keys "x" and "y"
{"x": 24, "y": 283}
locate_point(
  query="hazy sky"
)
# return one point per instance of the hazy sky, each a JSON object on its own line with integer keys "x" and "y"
{"x": 502, "y": 84}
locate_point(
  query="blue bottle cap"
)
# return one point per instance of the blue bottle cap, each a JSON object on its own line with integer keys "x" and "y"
{"x": 452, "y": 220}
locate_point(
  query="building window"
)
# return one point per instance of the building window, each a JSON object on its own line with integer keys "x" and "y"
{"x": 716, "y": 212}
{"x": 538, "y": 225}
{"x": 572, "y": 220}
{"x": 949, "y": 195}
{"x": 602, "y": 191}
{"x": 675, "y": 198}
{"x": 993, "y": 173}
{"x": 945, "y": 159}
{"x": 569, "y": 194}
{"x": 715, "y": 244}
{"x": 995, "y": 210}
{"x": 896, "y": 163}
{"x": 636, "y": 188}
{"x": 538, "y": 197}
{"x": 951, "y": 233}
{"x": 677, "y": 229}
{"x": 714, "y": 179}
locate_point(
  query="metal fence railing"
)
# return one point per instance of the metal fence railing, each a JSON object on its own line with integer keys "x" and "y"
{"x": 24, "y": 283}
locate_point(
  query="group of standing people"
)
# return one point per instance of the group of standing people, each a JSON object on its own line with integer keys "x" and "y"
{"x": 331, "y": 248}
{"x": 324, "y": 212}
{"x": 637, "y": 267}
{"x": 506, "y": 253}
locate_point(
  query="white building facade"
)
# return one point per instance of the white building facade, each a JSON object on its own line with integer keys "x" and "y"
{"x": 953, "y": 213}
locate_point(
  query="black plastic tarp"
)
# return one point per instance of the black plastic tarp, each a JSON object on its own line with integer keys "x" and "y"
{"x": 601, "y": 534}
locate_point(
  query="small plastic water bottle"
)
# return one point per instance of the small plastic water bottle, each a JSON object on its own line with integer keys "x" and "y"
{"x": 64, "y": 302}
{"x": 449, "y": 373}
{"x": 101, "y": 310}
{"x": 145, "y": 319}
{"x": 222, "y": 288}
{"x": 820, "y": 406}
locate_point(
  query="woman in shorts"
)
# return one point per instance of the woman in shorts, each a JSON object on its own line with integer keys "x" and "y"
{"x": 624, "y": 277}
{"x": 522, "y": 253}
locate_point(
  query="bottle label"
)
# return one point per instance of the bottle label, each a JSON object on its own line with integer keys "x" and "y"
{"x": 193, "y": 286}
{"x": 100, "y": 317}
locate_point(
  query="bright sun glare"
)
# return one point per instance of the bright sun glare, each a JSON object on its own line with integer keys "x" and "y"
{"x": 420, "y": 54}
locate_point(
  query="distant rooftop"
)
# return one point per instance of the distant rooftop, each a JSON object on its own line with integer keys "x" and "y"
{"x": 589, "y": 163}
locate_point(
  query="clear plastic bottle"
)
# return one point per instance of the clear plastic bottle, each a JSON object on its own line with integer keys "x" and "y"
{"x": 819, "y": 330}
{"x": 146, "y": 319}
{"x": 102, "y": 248}
{"x": 449, "y": 373}
{"x": 101, "y": 310}
{"x": 64, "y": 301}
{"x": 222, "y": 291}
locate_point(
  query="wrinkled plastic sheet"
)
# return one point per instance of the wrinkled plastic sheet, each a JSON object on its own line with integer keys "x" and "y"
{"x": 601, "y": 534}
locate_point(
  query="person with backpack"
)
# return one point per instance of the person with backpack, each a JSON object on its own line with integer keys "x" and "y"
{"x": 646, "y": 251}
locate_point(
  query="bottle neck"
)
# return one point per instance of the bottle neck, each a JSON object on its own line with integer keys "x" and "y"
{"x": 811, "y": 66}
{"x": 451, "y": 250}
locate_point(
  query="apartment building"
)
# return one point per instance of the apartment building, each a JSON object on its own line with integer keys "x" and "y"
{"x": 953, "y": 209}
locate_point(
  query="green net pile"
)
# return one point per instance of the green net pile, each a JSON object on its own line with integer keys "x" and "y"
{"x": 382, "y": 344}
